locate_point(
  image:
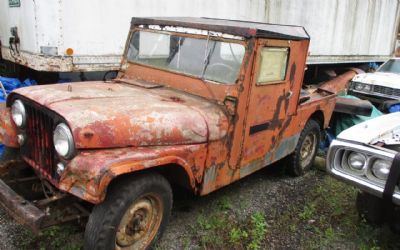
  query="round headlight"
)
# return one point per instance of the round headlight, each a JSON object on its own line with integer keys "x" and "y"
{"x": 356, "y": 161}
{"x": 18, "y": 113}
{"x": 381, "y": 169}
{"x": 359, "y": 86}
{"x": 367, "y": 88}
{"x": 63, "y": 140}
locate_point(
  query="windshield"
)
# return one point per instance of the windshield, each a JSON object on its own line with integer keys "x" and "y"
{"x": 392, "y": 66}
{"x": 208, "y": 59}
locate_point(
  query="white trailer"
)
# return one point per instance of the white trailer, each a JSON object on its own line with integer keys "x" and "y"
{"x": 74, "y": 35}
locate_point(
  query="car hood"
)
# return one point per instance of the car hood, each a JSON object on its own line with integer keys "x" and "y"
{"x": 385, "y": 129}
{"x": 390, "y": 80}
{"x": 108, "y": 115}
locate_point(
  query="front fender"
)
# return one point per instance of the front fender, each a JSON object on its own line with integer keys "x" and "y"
{"x": 88, "y": 175}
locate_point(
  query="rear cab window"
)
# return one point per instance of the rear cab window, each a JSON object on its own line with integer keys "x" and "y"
{"x": 273, "y": 65}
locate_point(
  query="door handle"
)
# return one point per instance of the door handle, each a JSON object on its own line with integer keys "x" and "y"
{"x": 289, "y": 94}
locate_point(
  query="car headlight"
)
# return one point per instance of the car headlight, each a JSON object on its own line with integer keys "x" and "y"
{"x": 18, "y": 113}
{"x": 356, "y": 161}
{"x": 63, "y": 140}
{"x": 358, "y": 86}
{"x": 362, "y": 87}
{"x": 381, "y": 169}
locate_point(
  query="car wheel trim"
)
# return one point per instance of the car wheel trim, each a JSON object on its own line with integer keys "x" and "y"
{"x": 140, "y": 223}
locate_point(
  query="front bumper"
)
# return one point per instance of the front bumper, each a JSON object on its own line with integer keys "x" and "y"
{"x": 364, "y": 185}
{"x": 361, "y": 182}
{"x": 34, "y": 202}
{"x": 20, "y": 209}
{"x": 381, "y": 101}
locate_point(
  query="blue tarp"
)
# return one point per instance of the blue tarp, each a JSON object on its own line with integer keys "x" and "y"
{"x": 394, "y": 108}
{"x": 10, "y": 84}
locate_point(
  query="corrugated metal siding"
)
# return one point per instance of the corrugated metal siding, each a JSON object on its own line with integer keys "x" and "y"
{"x": 340, "y": 30}
{"x": 341, "y": 27}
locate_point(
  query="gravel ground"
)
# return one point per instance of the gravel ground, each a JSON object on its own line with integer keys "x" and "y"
{"x": 267, "y": 190}
{"x": 10, "y": 233}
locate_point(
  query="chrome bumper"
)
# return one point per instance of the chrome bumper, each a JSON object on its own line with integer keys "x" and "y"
{"x": 361, "y": 182}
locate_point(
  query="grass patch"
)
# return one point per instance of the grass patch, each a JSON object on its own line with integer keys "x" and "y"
{"x": 329, "y": 219}
{"x": 222, "y": 230}
{"x": 56, "y": 237}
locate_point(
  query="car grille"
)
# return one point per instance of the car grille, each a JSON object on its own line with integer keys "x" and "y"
{"x": 38, "y": 149}
{"x": 386, "y": 91}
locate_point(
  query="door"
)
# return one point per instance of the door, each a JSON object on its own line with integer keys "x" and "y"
{"x": 272, "y": 99}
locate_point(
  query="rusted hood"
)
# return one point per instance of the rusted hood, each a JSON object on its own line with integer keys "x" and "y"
{"x": 108, "y": 115}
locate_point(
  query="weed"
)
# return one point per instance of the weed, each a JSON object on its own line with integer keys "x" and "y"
{"x": 237, "y": 235}
{"x": 185, "y": 243}
{"x": 225, "y": 203}
{"x": 56, "y": 237}
{"x": 308, "y": 211}
{"x": 258, "y": 230}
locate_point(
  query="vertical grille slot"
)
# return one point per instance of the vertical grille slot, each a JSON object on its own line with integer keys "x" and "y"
{"x": 39, "y": 143}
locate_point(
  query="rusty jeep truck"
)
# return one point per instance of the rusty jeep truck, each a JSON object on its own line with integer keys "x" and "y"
{"x": 198, "y": 103}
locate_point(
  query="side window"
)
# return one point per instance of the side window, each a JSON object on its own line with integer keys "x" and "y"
{"x": 273, "y": 65}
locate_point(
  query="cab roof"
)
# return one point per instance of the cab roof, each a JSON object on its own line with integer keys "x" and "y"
{"x": 234, "y": 27}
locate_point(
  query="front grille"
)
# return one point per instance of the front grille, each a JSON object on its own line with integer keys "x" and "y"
{"x": 38, "y": 148}
{"x": 386, "y": 91}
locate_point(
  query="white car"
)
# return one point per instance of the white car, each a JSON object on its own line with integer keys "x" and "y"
{"x": 381, "y": 87}
{"x": 367, "y": 156}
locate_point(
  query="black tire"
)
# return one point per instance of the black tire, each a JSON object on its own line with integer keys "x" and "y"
{"x": 371, "y": 208}
{"x": 297, "y": 165}
{"x": 126, "y": 193}
{"x": 395, "y": 222}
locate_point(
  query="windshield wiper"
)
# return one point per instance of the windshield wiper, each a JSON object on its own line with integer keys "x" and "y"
{"x": 207, "y": 56}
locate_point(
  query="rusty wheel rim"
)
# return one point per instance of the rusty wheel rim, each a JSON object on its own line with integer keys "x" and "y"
{"x": 140, "y": 223}
{"x": 307, "y": 150}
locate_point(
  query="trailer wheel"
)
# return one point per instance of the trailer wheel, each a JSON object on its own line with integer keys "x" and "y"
{"x": 370, "y": 207}
{"x": 133, "y": 215}
{"x": 301, "y": 160}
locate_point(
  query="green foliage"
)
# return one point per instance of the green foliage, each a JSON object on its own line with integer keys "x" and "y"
{"x": 237, "y": 235}
{"x": 257, "y": 231}
{"x": 56, "y": 237}
{"x": 220, "y": 230}
{"x": 225, "y": 203}
{"x": 308, "y": 212}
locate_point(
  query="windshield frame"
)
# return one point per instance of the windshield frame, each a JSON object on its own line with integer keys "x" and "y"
{"x": 397, "y": 60}
{"x": 242, "y": 42}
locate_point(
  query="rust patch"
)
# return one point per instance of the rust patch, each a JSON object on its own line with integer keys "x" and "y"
{"x": 176, "y": 99}
{"x": 8, "y": 131}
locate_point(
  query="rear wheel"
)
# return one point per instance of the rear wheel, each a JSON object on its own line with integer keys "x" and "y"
{"x": 133, "y": 216}
{"x": 306, "y": 149}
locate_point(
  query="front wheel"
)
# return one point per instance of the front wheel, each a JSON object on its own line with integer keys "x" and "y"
{"x": 133, "y": 215}
{"x": 370, "y": 207}
{"x": 300, "y": 161}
